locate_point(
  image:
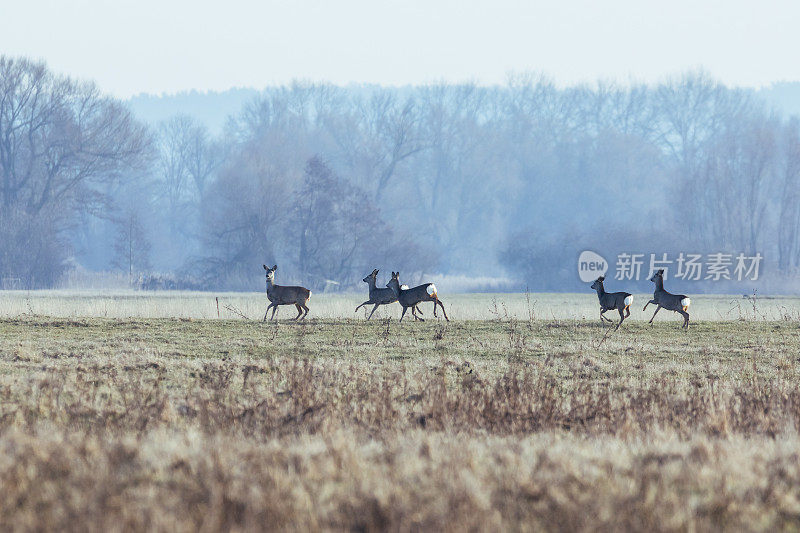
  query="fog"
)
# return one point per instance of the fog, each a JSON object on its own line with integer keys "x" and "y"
{"x": 493, "y": 187}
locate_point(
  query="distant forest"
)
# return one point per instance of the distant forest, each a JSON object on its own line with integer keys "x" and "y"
{"x": 501, "y": 186}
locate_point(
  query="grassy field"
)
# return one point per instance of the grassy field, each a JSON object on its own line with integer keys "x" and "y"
{"x": 521, "y": 420}
{"x": 561, "y": 306}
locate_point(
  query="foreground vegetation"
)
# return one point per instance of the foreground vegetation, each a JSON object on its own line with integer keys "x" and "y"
{"x": 524, "y": 424}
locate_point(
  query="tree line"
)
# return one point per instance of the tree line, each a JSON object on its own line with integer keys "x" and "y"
{"x": 330, "y": 182}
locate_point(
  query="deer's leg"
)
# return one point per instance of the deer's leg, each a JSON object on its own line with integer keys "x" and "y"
{"x": 621, "y": 317}
{"x": 299, "y": 311}
{"x": 403, "y": 313}
{"x": 414, "y": 312}
{"x": 419, "y": 309}
{"x": 648, "y": 303}
{"x": 627, "y": 311}
{"x": 273, "y": 306}
{"x": 685, "y": 318}
{"x": 373, "y": 310}
{"x": 365, "y": 303}
{"x": 274, "y": 310}
{"x": 654, "y": 314}
{"x": 603, "y": 317}
{"x": 438, "y": 301}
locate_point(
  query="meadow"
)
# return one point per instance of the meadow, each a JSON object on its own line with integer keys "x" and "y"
{"x": 130, "y": 411}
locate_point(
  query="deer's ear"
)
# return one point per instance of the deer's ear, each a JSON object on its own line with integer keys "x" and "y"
{"x": 601, "y": 278}
{"x": 265, "y": 267}
{"x": 275, "y": 267}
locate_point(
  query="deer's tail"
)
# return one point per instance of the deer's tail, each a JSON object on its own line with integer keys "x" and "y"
{"x": 685, "y": 303}
{"x": 431, "y": 289}
{"x": 628, "y": 300}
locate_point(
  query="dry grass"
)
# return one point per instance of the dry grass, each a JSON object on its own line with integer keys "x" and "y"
{"x": 173, "y": 424}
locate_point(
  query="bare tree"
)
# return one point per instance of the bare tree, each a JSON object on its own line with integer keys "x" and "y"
{"x": 339, "y": 231}
{"x": 175, "y": 177}
{"x": 332, "y": 220}
{"x": 693, "y": 111}
{"x": 244, "y": 209}
{"x": 789, "y": 186}
{"x": 60, "y": 141}
{"x": 739, "y": 179}
{"x": 395, "y": 128}
{"x": 131, "y": 247}
{"x": 60, "y": 137}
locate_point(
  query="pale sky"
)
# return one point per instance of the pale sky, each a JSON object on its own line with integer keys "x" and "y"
{"x": 155, "y": 46}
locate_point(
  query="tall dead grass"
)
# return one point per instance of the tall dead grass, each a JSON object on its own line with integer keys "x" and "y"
{"x": 292, "y": 397}
{"x": 417, "y": 480}
{"x": 184, "y": 426}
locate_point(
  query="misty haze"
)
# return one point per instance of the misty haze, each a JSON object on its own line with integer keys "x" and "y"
{"x": 487, "y": 187}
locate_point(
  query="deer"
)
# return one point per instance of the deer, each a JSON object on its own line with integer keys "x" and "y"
{"x": 671, "y": 302}
{"x": 379, "y": 296}
{"x": 411, "y": 297}
{"x": 285, "y": 295}
{"x": 621, "y": 301}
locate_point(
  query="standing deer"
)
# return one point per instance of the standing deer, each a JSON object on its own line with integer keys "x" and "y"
{"x": 379, "y": 296}
{"x": 411, "y": 297}
{"x": 621, "y": 301}
{"x": 671, "y": 302}
{"x": 284, "y": 295}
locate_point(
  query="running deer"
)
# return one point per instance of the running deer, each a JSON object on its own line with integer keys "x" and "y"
{"x": 411, "y": 297}
{"x": 671, "y": 302}
{"x": 283, "y": 295}
{"x": 379, "y": 296}
{"x": 621, "y": 301}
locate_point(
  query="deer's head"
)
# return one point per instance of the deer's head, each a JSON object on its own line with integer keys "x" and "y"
{"x": 658, "y": 275}
{"x": 372, "y": 276}
{"x": 270, "y": 273}
{"x": 394, "y": 283}
{"x": 598, "y": 283}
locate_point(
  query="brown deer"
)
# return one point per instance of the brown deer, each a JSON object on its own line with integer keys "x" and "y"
{"x": 672, "y": 302}
{"x": 411, "y": 297}
{"x": 621, "y": 301}
{"x": 285, "y": 295}
{"x": 380, "y": 296}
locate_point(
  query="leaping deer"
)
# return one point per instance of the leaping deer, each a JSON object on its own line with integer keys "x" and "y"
{"x": 671, "y": 302}
{"x": 285, "y": 295}
{"x": 411, "y": 297}
{"x": 621, "y": 301}
{"x": 380, "y": 296}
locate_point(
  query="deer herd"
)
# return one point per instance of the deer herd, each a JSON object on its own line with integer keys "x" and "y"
{"x": 411, "y": 297}
{"x": 621, "y": 301}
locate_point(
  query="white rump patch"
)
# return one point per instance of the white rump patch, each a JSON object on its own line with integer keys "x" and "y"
{"x": 686, "y": 302}
{"x": 628, "y": 300}
{"x": 431, "y": 289}
{"x": 404, "y": 287}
